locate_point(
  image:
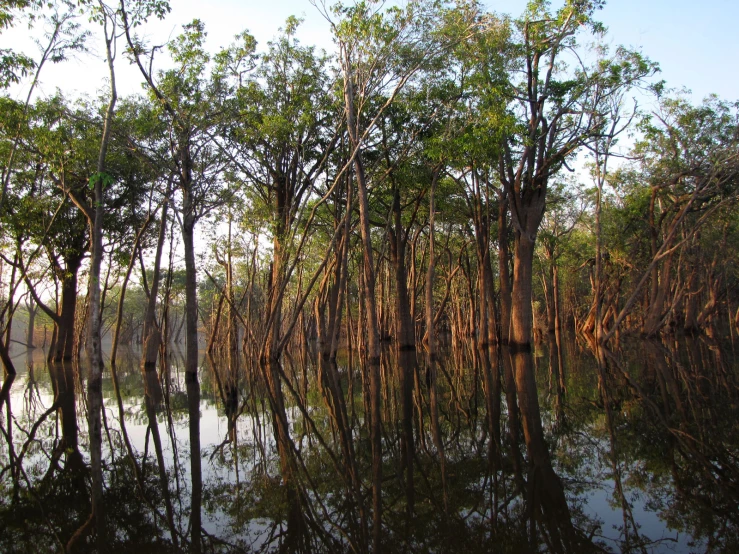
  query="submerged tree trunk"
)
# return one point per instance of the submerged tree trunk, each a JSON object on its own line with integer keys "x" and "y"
{"x": 546, "y": 498}
{"x": 152, "y": 400}
{"x": 63, "y": 383}
{"x": 514, "y": 421}
{"x": 407, "y": 367}
{"x": 297, "y": 530}
{"x": 196, "y": 474}
{"x": 330, "y": 379}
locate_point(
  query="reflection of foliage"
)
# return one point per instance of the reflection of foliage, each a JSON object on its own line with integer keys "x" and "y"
{"x": 674, "y": 461}
{"x": 62, "y": 504}
{"x": 648, "y": 443}
{"x": 38, "y": 520}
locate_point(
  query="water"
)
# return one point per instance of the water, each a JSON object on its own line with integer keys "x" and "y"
{"x": 639, "y": 454}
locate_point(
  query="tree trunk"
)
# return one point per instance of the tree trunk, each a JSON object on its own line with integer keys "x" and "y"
{"x": 660, "y": 289}
{"x": 191, "y": 295}
{"x": 514, "y": 421}
{"x": 430, "y": 336}
{"x": 152, "y": 399}
{"x": 548, "y": 286}
{"x": 690, "y": 324}
{"x": 556, "y": 298}
{"x": 94, "y": 322}
{"x": 546, "y": 496}
{"x": 503, "y": 268}
{"x": 32, "y": 309}
{"x": 276, "y": 284}
{"x": 521, "y": 312}
{"x": 407, "y": 366}
{"x": 373, "y": 329}
{"x": 404, "y": 328}
{"x": 196, "y": 474}
{"x": 336, "y": 304}
{"x": 234, "y": 360}
{"x": 63, "y": 347}
{"x": 152, "y": 335}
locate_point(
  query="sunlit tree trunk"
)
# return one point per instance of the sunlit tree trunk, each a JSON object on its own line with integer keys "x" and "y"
{"x": 521, "y": 312}
{"x": 662, "y": 279}
{"x": 277, "y": 278}
{"x": 503, "y": 268}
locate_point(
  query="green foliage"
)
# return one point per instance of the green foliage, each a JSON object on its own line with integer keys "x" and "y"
{"x": 104, "y": 178}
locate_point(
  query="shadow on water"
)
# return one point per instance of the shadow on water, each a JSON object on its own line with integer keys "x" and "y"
{"x": 480, "y": 451}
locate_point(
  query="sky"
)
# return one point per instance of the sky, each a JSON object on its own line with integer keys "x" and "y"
{"x": 695, "y": 44}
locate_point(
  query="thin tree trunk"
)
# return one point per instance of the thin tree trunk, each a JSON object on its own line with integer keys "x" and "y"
{"x": 196, "y": 474}
{"x": 94, "y": 345}
{"x": 429, "y": 338}
{"x": 152, "y": 399}
{"x": 151, "y": 333}
{"x": 32, "y": 308}
{"x": 373, "y": 331}
{"x": 191, "y": 295}
{"x": 122, "y": 297}
{"x": 404, "y": 328}
{"x": 660, "y": 289}
{"x": 503, "y": 268}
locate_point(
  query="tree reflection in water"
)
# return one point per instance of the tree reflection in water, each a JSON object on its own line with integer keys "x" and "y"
{"x": 481, "y": 451}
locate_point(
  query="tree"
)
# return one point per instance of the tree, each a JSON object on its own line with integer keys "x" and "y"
{"x": 559, "y": 108}
{"x": 192, "y": 103}
{"x": 13, "y": 65}
{"x": 280, "y": 150}
{"x": 58, "y": 152}
{"x": 379, "y": 53}
{"x": 686, "y": 173}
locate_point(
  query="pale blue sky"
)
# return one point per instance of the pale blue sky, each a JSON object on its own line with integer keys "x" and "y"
{"x": 695, "y": 43}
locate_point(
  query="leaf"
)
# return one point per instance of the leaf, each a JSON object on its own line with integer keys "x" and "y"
{"x": 106, "y": 179}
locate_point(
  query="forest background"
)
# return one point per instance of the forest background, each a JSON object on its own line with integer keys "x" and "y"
{"x": 526, "y": 122}
{"x": 69, "y": 38}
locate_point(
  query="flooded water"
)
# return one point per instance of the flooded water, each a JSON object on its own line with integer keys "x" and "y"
{"x": 636, "y": 453}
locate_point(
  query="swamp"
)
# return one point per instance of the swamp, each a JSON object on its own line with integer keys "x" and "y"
{"x": 467, "y": 282}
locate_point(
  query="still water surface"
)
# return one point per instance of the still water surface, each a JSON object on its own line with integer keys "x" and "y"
{"x": 639, "y": 453}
